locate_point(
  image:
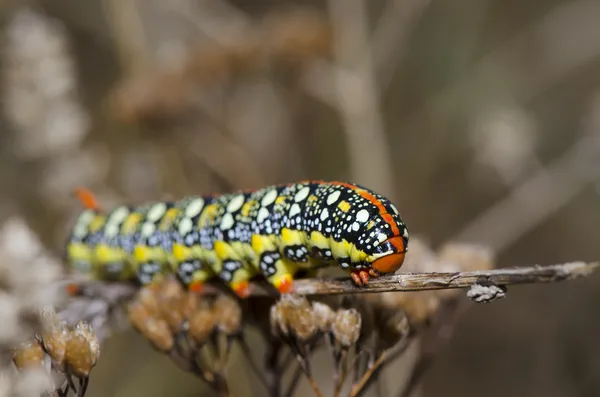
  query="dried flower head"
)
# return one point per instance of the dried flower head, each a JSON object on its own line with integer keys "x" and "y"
{"x": 324, "y": 316}
{"x": 419, "y": 307}
{"x": 392, "y": 326}
{"x": 54, "y": 336}
{"x": 465, "y": 257}
{"x": 156, "y": 330}
{"x": 228, "y": 315}
{"x": 148, "y": 298}
{"x": 28, "y": 355}
{"x": 346, "y": 327}
{"x": 174, "y": 304}
{"x": 82, "y": 350}
{"x": 202, "y": 323}
{"x": 293, "y": 315}
{"x": 278, "y": 321}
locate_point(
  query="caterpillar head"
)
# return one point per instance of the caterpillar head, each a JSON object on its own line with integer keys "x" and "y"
{"x": 385, "y": 241}
{"x": 367, "y": 235}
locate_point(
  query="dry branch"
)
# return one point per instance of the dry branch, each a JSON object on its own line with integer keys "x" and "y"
{"x": 432, "y": 281}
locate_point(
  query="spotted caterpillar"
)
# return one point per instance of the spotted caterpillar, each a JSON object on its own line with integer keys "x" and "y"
{"x": 274, "y": 232}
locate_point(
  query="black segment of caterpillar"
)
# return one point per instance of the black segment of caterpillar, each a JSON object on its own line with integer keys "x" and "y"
{"x": 274, "y": 232}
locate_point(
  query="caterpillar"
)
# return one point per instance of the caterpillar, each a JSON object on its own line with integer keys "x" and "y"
{"x": 272, "y": 232}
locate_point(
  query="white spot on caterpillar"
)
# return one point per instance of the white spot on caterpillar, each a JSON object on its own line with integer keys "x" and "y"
{"x": 405, "y": 233}
{"x": 295, "y": 210}
{"x": 263, "y": 214}
{"x": 227, "y": 222}
{"x": 269, "y": 198}
{"x": 302, "y": 194}
{"x": 393, "y": 207}
{"x": 194, "y": 207}
{"x": 324, "y": 214}
{"x": 333, "y": 197}
{"x": 111, "y": 230}
{"x": 118, "y": 216}
{"x": 185, "y": 226}
{"x": 235, "y": 203}
{"x": 362, "y": 216}
{"x": 355, "y": 226}
{"x": 81, "y": 228}
{"x": 381, "y": 237}
{"x": 156, "y": 212}
{"x": 148, "y": 229}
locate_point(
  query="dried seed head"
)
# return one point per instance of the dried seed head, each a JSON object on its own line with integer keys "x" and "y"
{"x": 419, "y": 258}
{"x": 419, "y": 307}
{"x": 392, "y": 326}
{"x": 28, "y": 355}
{"x": 149, "y": 299}
{"x": 465, "y": 257}
{"x": 173, "y": 302}
{"x": 228, "y": 315}
{"x": 324, "y": 316}
{"x": 154, "y": 329}
{"x": 201, "y": 324}
{"x": 295, "y": 315}
{"x": 82, "y": 351}
{"x": 277, "y": 320}
{"x": 86, "y": 330}
{"x": 189, "y": 304}
{"x": 346, "y": 327}
{"x": 54, "y": 336}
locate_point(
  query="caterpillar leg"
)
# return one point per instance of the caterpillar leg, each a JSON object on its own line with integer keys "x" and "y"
{"x": 193, "y": 275}
{"x": 361, "y": 276}
{"x": 237, "y": 277}
{"x": 282, "y": 273}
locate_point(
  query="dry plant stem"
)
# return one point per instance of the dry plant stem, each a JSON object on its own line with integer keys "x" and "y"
{"x": 246, "y": 351}
{"x": 294, "y": 382}
{"x": 273, "y": 370}
{"x": 435, "y": 281}
{"x": 341, "y": 372}
{"x": 297, "y": 372}
{"x": 358, "y": 388}
{"x": 303, "y": 357}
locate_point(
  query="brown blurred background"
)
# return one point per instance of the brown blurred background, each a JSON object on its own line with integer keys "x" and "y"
{"x": 480, "y": 119}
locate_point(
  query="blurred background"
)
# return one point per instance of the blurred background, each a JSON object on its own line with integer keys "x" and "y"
{"x": 480, "y": 119}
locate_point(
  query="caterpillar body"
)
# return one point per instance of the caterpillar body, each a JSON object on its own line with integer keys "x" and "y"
{"x": 274, "y": 232}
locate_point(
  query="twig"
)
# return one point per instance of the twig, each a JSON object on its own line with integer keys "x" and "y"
{"x": 342, "y": 370}
{"x": 359, "y": 387}
{"x": 424, "y": 281}
{"x": 433, "y": 281}
{"x": 253, "y": 365}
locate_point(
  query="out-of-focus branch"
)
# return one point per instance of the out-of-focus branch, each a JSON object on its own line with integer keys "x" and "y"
{"x": 129, "y": 35}
{"x": 390, "y": 37}
{"x": 357, "y": 95}
{"x": 536, "y": 198}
